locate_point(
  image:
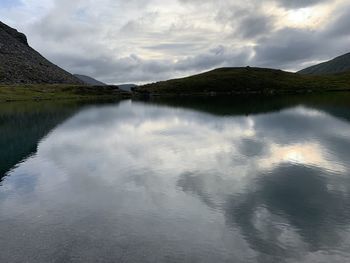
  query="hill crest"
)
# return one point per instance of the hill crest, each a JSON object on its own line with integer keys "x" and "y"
{"x": 246, "y": 80}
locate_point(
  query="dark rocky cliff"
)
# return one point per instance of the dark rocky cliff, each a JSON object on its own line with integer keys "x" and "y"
{"x": 20, "y": 64}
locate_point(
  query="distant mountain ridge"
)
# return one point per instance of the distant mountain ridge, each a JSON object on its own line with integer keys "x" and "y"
{"x": 89, "y": 80}
{"x": 339, "y": 64}
{"x": 127, "y": 87}
{"x": 21, "y": 64}
{"x": 248, "y": 80}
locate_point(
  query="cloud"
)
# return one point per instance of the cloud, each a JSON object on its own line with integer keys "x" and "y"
{"x": 243, "y": 23}
{"x": 135, "y": 68}
{"x": 270, "y": 186}
{"x": 337, "y": 27}
{"x": 288, "y": 48}
{"x": 299, "y": 3}
{"x": 149, "y": 40}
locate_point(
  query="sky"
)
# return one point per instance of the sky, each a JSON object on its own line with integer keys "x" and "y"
{"x": 141, "y": 41}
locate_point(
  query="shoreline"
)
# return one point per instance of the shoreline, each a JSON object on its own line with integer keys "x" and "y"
{"x": 53, "y": 92}
{"x": 59, "y": 92}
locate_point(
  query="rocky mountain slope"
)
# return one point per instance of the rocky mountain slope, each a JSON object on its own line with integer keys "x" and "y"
{"x": 338, "y": 65}
{"x": 20, "y": 64}
{"x": 89, "y": 80}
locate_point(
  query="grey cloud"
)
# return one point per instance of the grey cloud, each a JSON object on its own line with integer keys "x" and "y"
{"x": 247, "y": 22}
{"x": 252, "y": 27}
{"x": 289, "y": 48}
{"x": 299, "y": 3}
{"x": 339, "y": 26}
{"x": 219, "y": 56}
{"x": 117, "y": 41}
{"x": 56, "y": 30}
{"x": 172, "y": 46}
{"x": 284, "y": 3}
{"x": 136, "y": 69}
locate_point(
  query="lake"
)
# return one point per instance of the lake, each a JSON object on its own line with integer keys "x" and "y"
{"x": 176, "y": 180}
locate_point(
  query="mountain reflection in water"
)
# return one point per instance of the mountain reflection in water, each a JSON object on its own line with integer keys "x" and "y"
{"x": 177, "y": 181}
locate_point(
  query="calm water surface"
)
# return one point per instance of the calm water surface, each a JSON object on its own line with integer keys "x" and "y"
{"x": 203, "y": 180}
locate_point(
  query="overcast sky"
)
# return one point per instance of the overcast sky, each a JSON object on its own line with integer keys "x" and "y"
{"x": 138, "y": 41}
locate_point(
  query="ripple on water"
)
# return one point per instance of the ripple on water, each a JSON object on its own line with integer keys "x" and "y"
{"x": 145, "y": 183}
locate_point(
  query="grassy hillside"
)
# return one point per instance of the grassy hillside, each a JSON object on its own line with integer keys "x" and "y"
{"x": 57, "y": 92}
{"x": 338, "y": 65}
{"x": 247, "y": 81}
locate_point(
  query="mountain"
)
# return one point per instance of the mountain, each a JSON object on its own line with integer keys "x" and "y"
{"x": 337, "y": 65}
{"x": 89, "y": 80}
{"x": 127, "y": 87}
{"x": 19, "y": 63}
{"x": 246, "y": 81}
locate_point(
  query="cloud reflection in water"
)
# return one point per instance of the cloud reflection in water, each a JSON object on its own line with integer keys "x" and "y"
{"x": 167, "y": 183}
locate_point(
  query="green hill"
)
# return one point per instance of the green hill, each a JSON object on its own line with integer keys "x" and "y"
{"x": 246, "y": 81}
{"x": 338, "y": 65}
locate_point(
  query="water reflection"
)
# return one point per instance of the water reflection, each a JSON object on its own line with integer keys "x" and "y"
{"x": 299, "y": 198}
{"x": 139, "y": 182}
{"x": 23, "y": 125}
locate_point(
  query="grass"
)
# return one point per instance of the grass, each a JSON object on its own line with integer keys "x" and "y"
{"x": 56, "y": 92}
{"x": 247, "y": 81}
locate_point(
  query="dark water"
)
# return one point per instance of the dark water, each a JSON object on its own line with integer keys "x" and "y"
{"x": 205, "y": 180}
